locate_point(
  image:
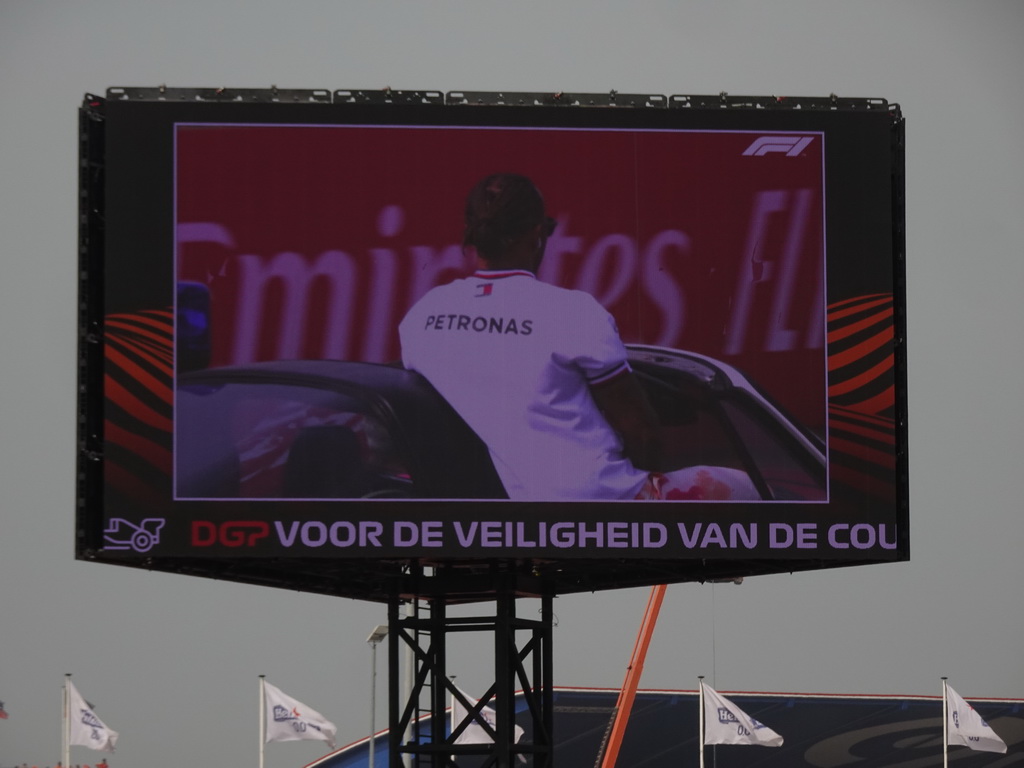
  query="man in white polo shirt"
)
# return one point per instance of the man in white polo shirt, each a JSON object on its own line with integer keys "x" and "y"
{"x": 539, "y": 372}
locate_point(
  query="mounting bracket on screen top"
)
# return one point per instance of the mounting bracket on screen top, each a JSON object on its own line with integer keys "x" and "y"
{"x": 612, "y": 98}
{"x": 556, "y": 99}
{"x": 253, "y": 95}
{"x": 723, "y": 100}
{"x": 830, "y": 103}
{"x": 387, "y": 96}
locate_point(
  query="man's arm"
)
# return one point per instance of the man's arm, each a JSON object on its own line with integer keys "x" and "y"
{"x": 625, "y": 405}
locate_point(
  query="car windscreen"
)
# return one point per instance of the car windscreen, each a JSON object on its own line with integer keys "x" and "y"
{"x": 788, "y": 468}
{"x": 710, "y": 424}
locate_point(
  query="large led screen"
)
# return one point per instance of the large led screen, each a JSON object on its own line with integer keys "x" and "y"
{"x": 443, "y": 333}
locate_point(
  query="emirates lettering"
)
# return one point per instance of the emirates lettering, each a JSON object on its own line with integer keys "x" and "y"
{"x": 395, "y": 274}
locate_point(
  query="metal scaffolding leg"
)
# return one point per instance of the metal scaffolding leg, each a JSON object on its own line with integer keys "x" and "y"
{"x": 522, "y": 661}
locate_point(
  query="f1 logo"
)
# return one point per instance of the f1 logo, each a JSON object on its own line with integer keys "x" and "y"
{"x": 791, "y": 146}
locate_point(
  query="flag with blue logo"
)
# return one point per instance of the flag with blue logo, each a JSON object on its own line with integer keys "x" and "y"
{"x": 290, "y": 720}
{"x": 725, "y": 723}
{"x": 475, "y": 732}
{"x": 85, "y": 729}
{"x": 965, "y": 726}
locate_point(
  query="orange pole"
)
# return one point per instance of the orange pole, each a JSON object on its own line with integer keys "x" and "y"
{"x": 624, "y": 705}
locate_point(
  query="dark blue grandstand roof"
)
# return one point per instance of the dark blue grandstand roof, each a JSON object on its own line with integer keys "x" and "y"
{"x": 820, "y": 731}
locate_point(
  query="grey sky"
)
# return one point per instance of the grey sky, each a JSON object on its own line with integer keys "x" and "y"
{"x": 172, "y": 662}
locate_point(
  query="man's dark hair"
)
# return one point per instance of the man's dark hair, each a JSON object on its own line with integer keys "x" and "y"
{"x": 500, "y": 209}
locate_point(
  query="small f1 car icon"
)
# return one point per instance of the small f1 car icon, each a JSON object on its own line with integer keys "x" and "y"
{"x": 124, "y": 534}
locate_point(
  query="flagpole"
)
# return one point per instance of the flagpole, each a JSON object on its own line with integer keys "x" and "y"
{"x": 700, "y": 719}
{"x": 945, "y": 725}
{"x": 408, "y": 680}
{"x": 451, "y": 707}
{"x": 263, "y": 715}
{"x": 65, "y": 732}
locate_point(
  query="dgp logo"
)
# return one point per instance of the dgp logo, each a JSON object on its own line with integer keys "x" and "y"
{"x": 232, "y": 533}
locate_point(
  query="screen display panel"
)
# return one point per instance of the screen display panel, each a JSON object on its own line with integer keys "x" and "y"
{"x": 448, "y": 333}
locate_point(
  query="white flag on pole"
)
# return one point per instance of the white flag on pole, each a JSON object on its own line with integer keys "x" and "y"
{"x": 85, "y": 729}
{"x": 291, "y": 720}
{"x": 475, "y": 732}
{"x": 725, "y": 723}
{"x": 965, "y": 726}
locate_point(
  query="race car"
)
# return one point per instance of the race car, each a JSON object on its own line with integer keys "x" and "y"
{"x": 326, "y": 429}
